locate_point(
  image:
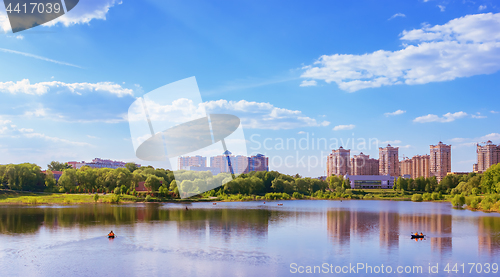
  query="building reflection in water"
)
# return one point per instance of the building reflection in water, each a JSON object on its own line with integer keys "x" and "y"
{"x": 488, "y": 235}
{"x": 224, "y": 223}
{"x": 389, "y": 229}
{"x": 340, "y": 224}
{"x": 344, "y": 225}
{"x": 438, "y": 227}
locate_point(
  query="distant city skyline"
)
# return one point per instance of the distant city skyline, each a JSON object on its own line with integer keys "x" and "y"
{"x": 405, "y": 73}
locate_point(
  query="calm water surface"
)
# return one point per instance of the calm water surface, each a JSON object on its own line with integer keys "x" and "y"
{"x": 244, "y": 239}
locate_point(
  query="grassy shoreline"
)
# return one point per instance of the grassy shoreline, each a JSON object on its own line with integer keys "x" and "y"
{"x": 9, "y": 197}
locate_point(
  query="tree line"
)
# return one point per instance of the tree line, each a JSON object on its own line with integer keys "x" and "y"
{"x": 29, "y": 177}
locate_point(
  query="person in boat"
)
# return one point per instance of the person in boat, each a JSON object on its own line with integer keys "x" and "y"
{"x": 416, "y": 234}
{"x": 111, "y": 234}
{"x": 421, "y": 234}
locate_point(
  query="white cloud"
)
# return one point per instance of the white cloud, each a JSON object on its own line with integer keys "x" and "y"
{"x": 478, "y": 115}
{"x": 262, "y": 115}
{"x": 37, "y": 57}
{"x": 344, "y": 127}
{"x": 4, "y": 20}
{"x": 55, "y": 139}
{"x": 469, "y": 142}
{"x": 301, "y": 132}
{"x": 92, "y": 137}
{"x": 258, "y": 115}
{"x": 398, "y": 112}
{"x": 83, "y": 13}
{"x": 39, "y": 112}
{"x": 397, "y": 15}
{"x": 441, "y": 8}
{"x": 482, "y": 7}
{"x": 462, "y": 47}
{"x": 41, "y": 88}
{"x": 13, "y": 131}
{"x": 392, "y": 142}
{"x": 310, "y": 83}
{"x": 449, "y": 117}
{"x": 21, "y": 37}
{"x": 4, "y": 121}
{"x": 494, "y": 112}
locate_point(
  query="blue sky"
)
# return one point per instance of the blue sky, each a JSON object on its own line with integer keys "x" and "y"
{"x": 409, "y": 73}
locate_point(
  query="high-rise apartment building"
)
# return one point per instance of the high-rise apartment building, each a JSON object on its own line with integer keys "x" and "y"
{"x": 389, "y": 161}
{"x": 362, "y": 165}
{"x": 192, "y": 161}
{"x": 420, "y": 166}
{"x": 487, "y": 155}
{"x": 258, "y": 162}
{"x": 239, "y": 163}
{"x": 338, "y": 162}
{"x": 440, "y": 160}
{"x": 406, "y": 167}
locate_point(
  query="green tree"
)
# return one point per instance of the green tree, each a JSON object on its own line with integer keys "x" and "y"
{"x": 50, "y": 181}
{"x": 57, "y": 166}
{"x": 490, "y": 182}
{"x": 131, "y": 167}
{"x": 153, "y": 183}
{"x": 173, "y": 185}
{"x": 68, "y": 179}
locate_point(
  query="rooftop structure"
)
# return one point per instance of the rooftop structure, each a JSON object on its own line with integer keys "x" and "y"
{"x": 488, "y": 154}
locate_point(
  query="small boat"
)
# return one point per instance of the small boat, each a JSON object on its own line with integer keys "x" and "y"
{"x": 417, "y": 236}
{"x": 111, "y": 237}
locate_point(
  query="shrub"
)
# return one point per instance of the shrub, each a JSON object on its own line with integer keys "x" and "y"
{"x": 435, "y": 196}
{"x": 115, "y": 199}
{"x": 427, "y": 196}
{"x": 417, "y": 198}
{"x": 347, "y": 196}
{"x": 458, "y": 201}
{"x": 368, "y": 196}
{"x": 148, "y": 198}
{"x": 297, "y": 195}
{"x": 475, "y": 202}
{"x": 117, "y": 190}
{"x": 277, "y": 196}
{"x": 96, "y": 197}
{"x": 487, "y": 202}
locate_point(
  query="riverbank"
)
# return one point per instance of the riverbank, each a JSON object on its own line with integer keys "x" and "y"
{"x": 473, "y": 203}
{"x": 40, "y": 198}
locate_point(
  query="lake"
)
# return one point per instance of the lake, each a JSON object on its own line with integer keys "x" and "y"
{"x": 248, "y": 239}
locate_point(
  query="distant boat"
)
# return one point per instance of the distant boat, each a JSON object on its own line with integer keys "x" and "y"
{"x": 417, "y": 237}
